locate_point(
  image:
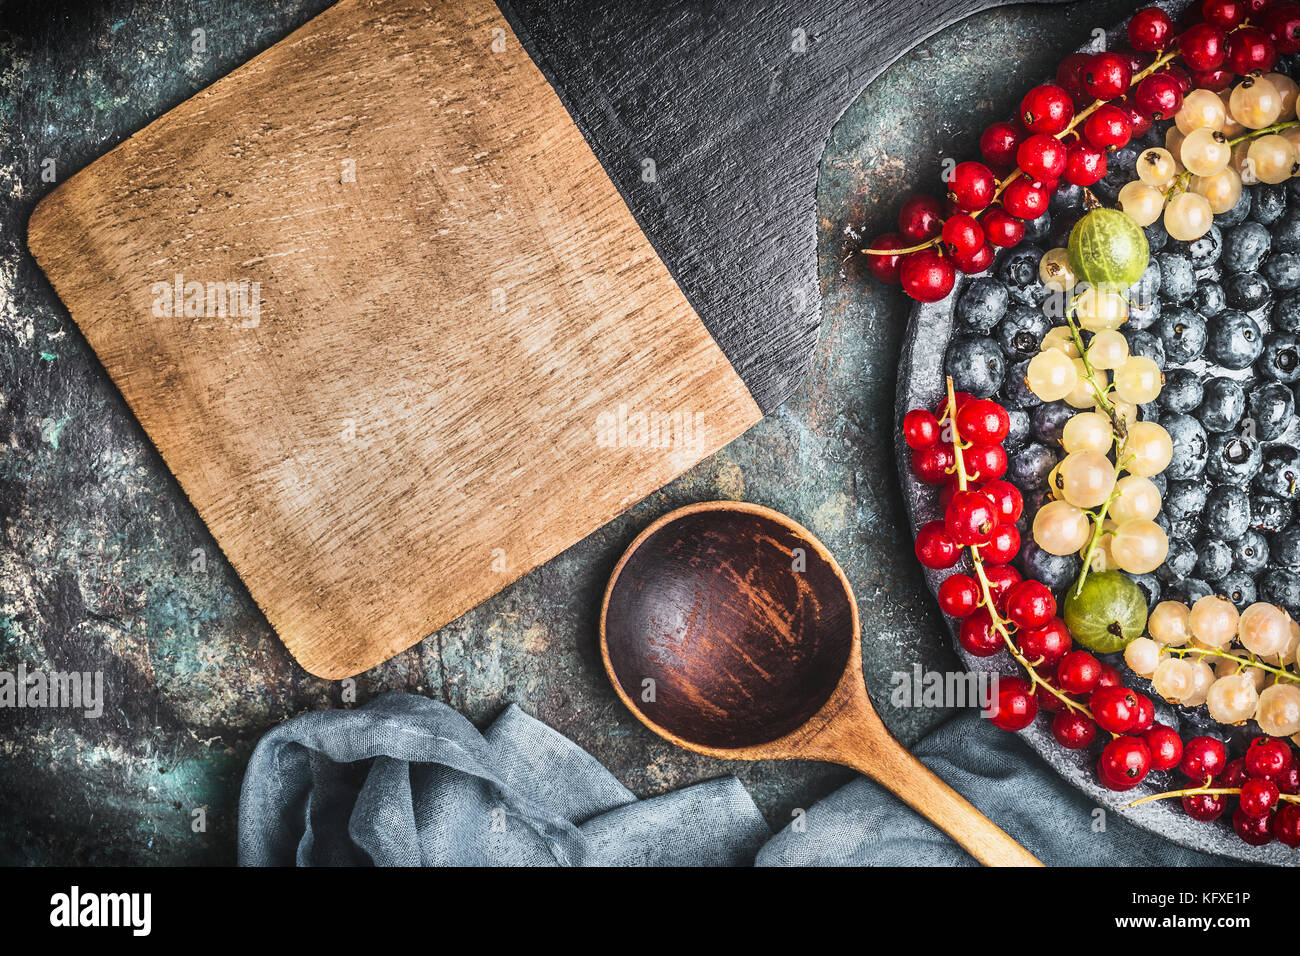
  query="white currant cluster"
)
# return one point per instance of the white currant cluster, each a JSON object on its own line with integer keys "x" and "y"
{"x": 1217, "y": 142}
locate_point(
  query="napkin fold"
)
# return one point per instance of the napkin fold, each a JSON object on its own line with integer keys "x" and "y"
{"x": 408, "y": 781}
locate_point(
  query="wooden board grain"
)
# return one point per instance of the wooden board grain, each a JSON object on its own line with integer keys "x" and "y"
{"x": 460, "y": 337}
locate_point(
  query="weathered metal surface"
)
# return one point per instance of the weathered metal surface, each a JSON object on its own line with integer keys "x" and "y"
{"x": 99, "y": 550}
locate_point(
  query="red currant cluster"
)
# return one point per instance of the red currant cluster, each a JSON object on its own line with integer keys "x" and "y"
{"x": 1261, "y": 782}
{"x": 1065, "y": 130}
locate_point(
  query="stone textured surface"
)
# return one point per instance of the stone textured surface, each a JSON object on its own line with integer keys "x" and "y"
{"x": 104, "y": 565}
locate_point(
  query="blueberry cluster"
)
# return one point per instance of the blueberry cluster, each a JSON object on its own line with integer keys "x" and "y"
{"x": 1221, "y": 316}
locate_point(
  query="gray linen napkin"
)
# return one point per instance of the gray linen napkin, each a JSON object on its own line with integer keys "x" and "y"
{"x": 408, "y": 781}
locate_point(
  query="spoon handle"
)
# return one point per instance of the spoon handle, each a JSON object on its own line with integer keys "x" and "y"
{"x": 894, "y": 768}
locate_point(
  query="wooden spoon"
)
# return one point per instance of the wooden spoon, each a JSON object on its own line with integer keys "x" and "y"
{"x": 730, "y": 630}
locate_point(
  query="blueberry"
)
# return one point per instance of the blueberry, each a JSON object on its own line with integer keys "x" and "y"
{"x": 1286, "y": 233}
{"x": 1034, "y": 500}
{"x": 975, "y": 364}
{"x": 1063, "y": 223}
{"x": 1272, "y": 407}
{"x": 1247, "y": 291}
{"x": 1235, "y": 339}
{"x": 1177, "y": 277}
{"x": 1056, "y": 571}
{"x": 1015, "y": 391}
{"x": 1245, "y": 247}
{"x": 981, "y": 305}
{"x": 1036, "y": 230}
{"x": 1184, "y": 499}
{"x": 1279, "y": 474}
{"x": 1150, "y": 412}
{"x": 1270, "y": 514}
{"x": 1179, "y": 562}
{"x": 1227, "y": 512}
{"x": 1161, "y": 482}
{"x": 1251, "y": 555}
{"x": 1282, "y": 587}
{"x": 1144, "y": 343}
{"x": 1237, "y": 587}
{"x": 1067, "y": 197}
{"x": 1282, "y": 271}
{"x": 1019, "y": 273}
{"x": 1223, "y": 404}
{"x": 1233, "y": 459}
{"x": 1191, "y": 447}
{"x": 1213, "y": 559}
{"x": 1281, "y": 358}
{"x": 1189, "y": 591}
{"x": 1143, "y": 315}
{"x": 1018, "y": 431}
{"x": 1047, "y": 421}
{"x": 1286, "y": 312}
{"x": 1183, "y": 334}
{"x": 1205, "y": 251}
{"x": 1232, "y": 217}
{"x": 1185, "y": 528}
{"x": 1209, "y": 299}
{"x": 1021, "y": 331}
{"x": 1119, "y": 172}
{"x": 1157, "y": 238}
{"x": 1029, "y": 469}
{"x": 1284, "y": 549}
{"x": 1182, "y": 391}
{"x": 1268, "y": 203}
{"x": 1150, "y": 587}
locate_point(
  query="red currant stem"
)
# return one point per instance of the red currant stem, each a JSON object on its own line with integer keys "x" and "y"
{"x": 902, "y": 252}
{"x": 1241, "y": 661}
{"x": 986, "y": 588}
{"x": 1209, "y": 791}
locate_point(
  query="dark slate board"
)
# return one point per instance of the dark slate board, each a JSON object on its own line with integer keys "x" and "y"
{"x": 735, "y": 120}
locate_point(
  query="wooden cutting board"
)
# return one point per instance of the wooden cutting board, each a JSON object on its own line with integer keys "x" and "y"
{"x": 460, "y": 327}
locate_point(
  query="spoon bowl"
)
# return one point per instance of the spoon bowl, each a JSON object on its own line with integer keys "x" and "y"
{"x": 729, "y": 629}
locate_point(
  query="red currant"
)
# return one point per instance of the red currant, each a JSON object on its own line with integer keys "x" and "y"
{"x": 1150, "y": 29}
{"x": 1233, "y": 775}
{"x": 1044, "y": 646}
{"x": 970, "y": 518}
{"x": 1046, "y": 109}
{"x": 1258, "y": 797}
{"x": 920, "y": 219}
{"x": 963, "y": 235}
{"x": 1205, "y": 806}
{"x": 1267, "y": 757}
{"x": 1108, "y": 128}
{"x": 983, "y": 422}
{"x": 1085, "y": 164}
{"x": 1282, "y": 21}
{"x": 931, "y": 465}
{"x": 1106, "y": 76}
{"x": 1007, "y": 500}
{"x": 978, "y": 635}
{"x": 1250, "y": 49}
{"x": 975, "y": 263}
{"x": 1042, "y": 156}
{"x": 1137, "y": 120}
{"x": 1203, "y": 47}
{"x": 1124, "y": 763}
{"x": 1158, "y": 96}
{"x": 1203, "y": 758}
{"x": 1003, "y": 544}
{"x": 1288, "y": 781}
{"x": 1073, "y": 730}
{"x": 920, "y": 429}
{"x": 1048, "y": 701}
{"x": 1030, "y": 604}
{"x": 972, "y": 186}
{"x": 1001, "y": 578}
{"x": 959, "y": 595}
{"x": 1068, "y": 73}
{"x": 1003, "y": 229}
{"x": 935, "y": 547}
{"x": 1184, "y": 78}
{"x": 1213, "y": 80}
{"x": 1025, "y": 198}
{"x": 998, "y": 145}
{"x": 1165, "y": 745}
{"x": 926, "y": 276}
{"x": 961, "y": 398}
{"x": 1286, "y": 825}
{"x": 1078, "y": 673}
{"x": 1114, "y": 709}
{"x": 1257, "y": 831}
{"x": 1016, "y": 707}
{"x": 1109, "y": 677}
{"x": 985, "y": 462}
{"x": 1146, "y": 715}
{"x": 885, "y": 268}
{"x": 1224, "y": 14}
